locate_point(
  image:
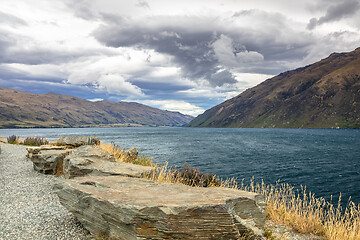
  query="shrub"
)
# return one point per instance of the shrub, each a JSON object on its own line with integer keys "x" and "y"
{"x": 13, "y": 139}
{"x": 188, "y": 175}
{"x": 35, "y": 141}
{"x": 194, "y": 177}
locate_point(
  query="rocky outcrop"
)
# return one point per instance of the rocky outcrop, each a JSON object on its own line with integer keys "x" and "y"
{"x": 35, "y": 150}
{"x": 48, "y": 159}
{"x": 93, "y": 160}
{"x": 112, "y": 199}
{"x": 76, "y": 141}
{"x": 137, "y": 208}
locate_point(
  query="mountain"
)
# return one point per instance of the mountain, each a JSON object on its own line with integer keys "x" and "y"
{"x": 325, "y": 94}
{"x": 22, "y": 109}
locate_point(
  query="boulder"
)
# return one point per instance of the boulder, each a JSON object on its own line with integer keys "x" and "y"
{"x": 49, "y": 161}
{"x": 131, "y": 153}
{"x": 76, "y": 141}
{"x": 93, "y": 160}
{"x": 36, "y": 150}
{"x": 136, "y": 208}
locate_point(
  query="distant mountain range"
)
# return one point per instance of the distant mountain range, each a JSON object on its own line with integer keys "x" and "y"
{"x": 325, "y": 94}
{"x": 21, "y": 109}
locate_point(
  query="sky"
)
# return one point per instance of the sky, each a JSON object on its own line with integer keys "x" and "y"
{"x": 185, "y": 56}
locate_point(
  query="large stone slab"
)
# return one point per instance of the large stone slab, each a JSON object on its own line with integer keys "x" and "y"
{"x": 76, "y": 141}
{"x": 49, "y": 161}
{"x": 135, "y": 208}
{"x": 35, "y": 150}
{"x": 90, "y": 159}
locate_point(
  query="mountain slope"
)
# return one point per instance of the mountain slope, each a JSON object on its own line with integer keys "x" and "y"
{"x": 22, "y": 109}
{"x": 325, "y": 94}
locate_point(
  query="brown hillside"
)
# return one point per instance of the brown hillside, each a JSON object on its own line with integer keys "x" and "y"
{"x": 325, "y": 94}
{"x": 22, "y": 109}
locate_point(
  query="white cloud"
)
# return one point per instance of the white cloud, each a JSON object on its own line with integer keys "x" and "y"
{"x": 116, "y": 84}
{"x": 95, "y": 99}
{"x": 233, "y": 56}
{"x": 174, "y": 105}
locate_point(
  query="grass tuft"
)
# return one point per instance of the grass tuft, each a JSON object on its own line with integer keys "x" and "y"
{"x": 13, "y": 139}
{"x": 188, "y": 175}
{"x": 35, "y": 141}
{"x": 128, "y": 156}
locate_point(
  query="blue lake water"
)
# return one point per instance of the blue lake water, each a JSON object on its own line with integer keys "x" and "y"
{"x": 327, "y": 161}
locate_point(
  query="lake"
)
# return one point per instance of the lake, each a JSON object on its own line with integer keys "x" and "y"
{"x": 327, "y": 161}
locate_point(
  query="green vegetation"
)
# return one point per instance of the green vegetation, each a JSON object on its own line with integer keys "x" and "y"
{"x": 35, "y": 141}
{"x": 29, "y": 141}
{"x": 13, "y": 139}
{"x": 188, "y": 175}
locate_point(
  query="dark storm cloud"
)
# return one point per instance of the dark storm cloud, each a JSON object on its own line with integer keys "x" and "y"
{"x": 11, "y": 74}
{"x": 192, "y": 49}
{"x": 42, "y": 87}
{"x": 189, "y": 40}
{"x": 336, "y": 12}
{"x": 219, "y": 78}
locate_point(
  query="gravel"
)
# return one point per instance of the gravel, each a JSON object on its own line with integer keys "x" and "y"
{"x": 28, "y": 207}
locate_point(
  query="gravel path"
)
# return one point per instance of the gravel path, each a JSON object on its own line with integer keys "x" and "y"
{"x": 28, "y": 207}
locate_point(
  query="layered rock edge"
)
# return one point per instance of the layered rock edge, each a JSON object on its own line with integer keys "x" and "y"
{"x": 112, "y": 199}
{"x": 136, "y": 208}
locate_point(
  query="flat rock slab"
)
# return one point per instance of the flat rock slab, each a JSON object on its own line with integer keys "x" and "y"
{"x": 136, "y": 208}
{"x": 92, "y": 160}
{"x": 36, "y": 150}
{"x": 76, "y": 141}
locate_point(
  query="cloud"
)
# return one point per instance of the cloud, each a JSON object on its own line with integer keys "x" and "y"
{"x": 143, "y": 3}
{"x": 116, "y": 84}
{"x": 336, "y": 12}
{"x": 231, "y": 55}
{"x": 173, "y": 105}
{"x": 196, "y": 53}
{"x": 95, "y": 99}
{"x": 11, "y": 20}
{"x": 203, "y": 46}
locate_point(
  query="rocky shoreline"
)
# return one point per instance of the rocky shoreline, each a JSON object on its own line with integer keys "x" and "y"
{"x": 112, "y": 199}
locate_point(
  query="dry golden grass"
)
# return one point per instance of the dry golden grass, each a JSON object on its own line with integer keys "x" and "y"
{"x": 121, "y": 155}
{"x": 285, "y": 206}
{"x": 307, "y": 214}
